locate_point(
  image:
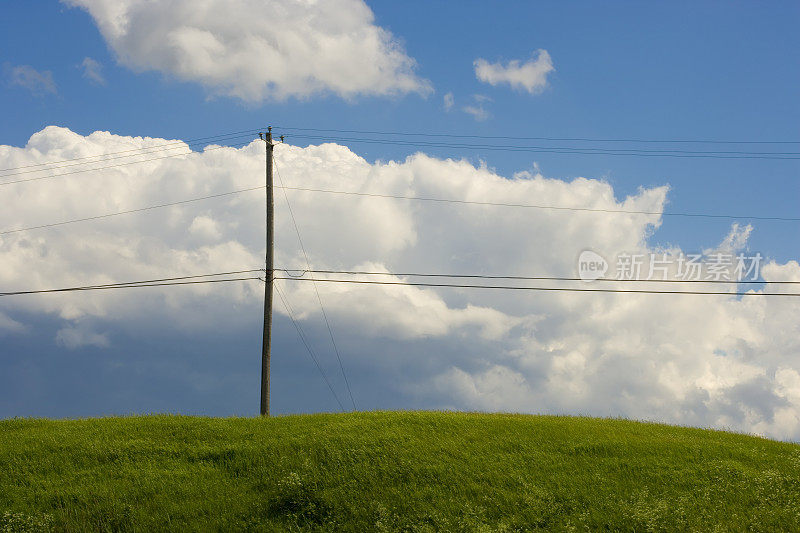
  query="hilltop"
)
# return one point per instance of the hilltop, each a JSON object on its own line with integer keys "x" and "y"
{"x": 391, "y": 471}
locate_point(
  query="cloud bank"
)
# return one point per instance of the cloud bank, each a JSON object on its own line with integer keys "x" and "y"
{"x": 530, "y": 76}
{"x": 259, "y": 50}
{"x": 716, "y": 361}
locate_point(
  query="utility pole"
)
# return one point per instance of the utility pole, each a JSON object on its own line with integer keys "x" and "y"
{"x": 265, "y": 346}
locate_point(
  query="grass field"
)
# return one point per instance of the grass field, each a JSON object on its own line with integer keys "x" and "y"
{"x": 386, "y": 471}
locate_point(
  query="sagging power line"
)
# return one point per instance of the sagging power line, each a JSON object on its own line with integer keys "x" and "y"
{"x": 179, "y": 280}
{"x": 398, "y": 197}
{"x": 302, "y": 273}
{"x": 564, "y": 149}
{"x": 160, "y": 282}
{"x": 130, "y": 211}
{"x": 538, "y": 206}
{"x": 382, "y": 136}
{"x": 402, "y": 197}
{"x": 316, "y": 290}
{"x": 528, "y": 288}
{"x": 518, "y": 138}
{"x": 134, "y": 151}
{"x": 81, "y": 171}
{"x": 307, "y": 345}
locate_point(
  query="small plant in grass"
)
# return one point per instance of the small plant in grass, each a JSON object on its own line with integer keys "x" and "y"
{"x": 298, "y": 501}
{"x": 25, "y": 523}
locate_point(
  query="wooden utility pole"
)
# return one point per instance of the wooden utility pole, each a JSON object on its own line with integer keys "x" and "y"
{"x": 265, "y": 346}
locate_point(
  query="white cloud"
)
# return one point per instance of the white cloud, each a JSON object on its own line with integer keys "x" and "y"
{"x": 478, "y": 108}
{"x": 702, "y": 360}
{"x": 477, "y": 111}
{"x": 736, "y": 239}
{"x": 259, "y": 50}
{"x": 8, "y": 325}
{"x": 93, "y": 71}
{"x": 40, "y": 83}
{"x": 449, "y": 101}
{"x": 530, "y": 76}
{"x": 206, "y": 228}
{"x": 74, "y": 337}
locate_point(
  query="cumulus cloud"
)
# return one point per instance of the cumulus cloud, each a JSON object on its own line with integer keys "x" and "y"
{"x": 93, "y": 71}
{"x": 259, "y": 50}
{"x": 530, "y": 76}
{"x": 720, "y": 361}
{"x": 40, "y": 83}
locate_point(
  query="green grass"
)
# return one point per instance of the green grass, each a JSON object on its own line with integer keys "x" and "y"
{"x": 386, "y": 471}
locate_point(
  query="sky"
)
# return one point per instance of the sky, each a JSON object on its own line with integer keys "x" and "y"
{"x": 82, "y": 78}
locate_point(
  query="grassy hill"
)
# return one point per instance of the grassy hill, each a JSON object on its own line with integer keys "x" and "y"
{"x": 413, "y": 471}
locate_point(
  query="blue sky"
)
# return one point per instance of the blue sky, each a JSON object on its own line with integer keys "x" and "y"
{"x": 694, "y": 70}
{"x": 690, "y": 70}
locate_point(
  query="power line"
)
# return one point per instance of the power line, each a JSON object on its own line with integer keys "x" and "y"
{"x": 164, "y": 282}
{"x": 190, "y": 153}
{"x": 179, "y": 144}
{"x": 143, "y": 151}
{"x": 172, "y": 281}
{"x": 399, "y": 197}
{"x": 316, "y": 290}
{"x": 56, "y": 167}
{"x": 518, "y": 288}
{"x": 702, "y": 215}
{"x": 306, "y": 344}
{"x": 508, "y": 137}
{"x": 189, "y": 280}
{"x": 536, "y": 206}
{"x": 129, "y": 211}
{"x": 566, "y": 150}
{"x": 224, "y": 277}
{"x": 191, "y": 276}
{"x": 251, "y": 132}
{"x": 289, "y": 272}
